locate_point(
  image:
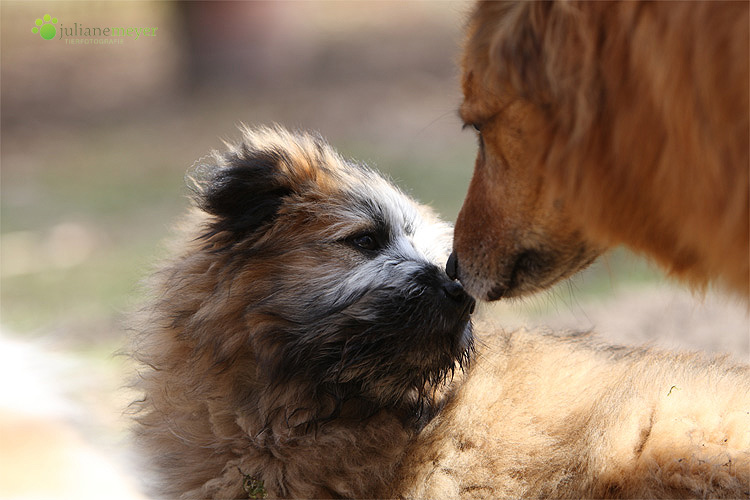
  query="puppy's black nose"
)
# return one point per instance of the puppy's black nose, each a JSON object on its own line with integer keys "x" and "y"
{"x": 451, "y": 267}
{"x": 455, "y": 291}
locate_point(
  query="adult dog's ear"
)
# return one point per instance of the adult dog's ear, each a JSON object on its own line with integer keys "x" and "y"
{"x": 516, "y": 50}
{"x": 243, "y": 191}
{"x": 547, "y": 52}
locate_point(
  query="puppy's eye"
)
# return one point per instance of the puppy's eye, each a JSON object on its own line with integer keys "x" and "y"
{"x": 365, "y": 242}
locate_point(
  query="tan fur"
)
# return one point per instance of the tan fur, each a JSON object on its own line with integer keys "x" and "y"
{"x": 556, "y": 416}
{"x": 536, "y": 415}
{"x": 606, "y": 123}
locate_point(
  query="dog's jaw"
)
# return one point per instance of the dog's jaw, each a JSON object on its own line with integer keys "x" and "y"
{"x": 525, "y": 273}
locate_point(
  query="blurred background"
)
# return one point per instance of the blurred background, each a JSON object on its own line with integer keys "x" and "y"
{"x": 95, "y": 140}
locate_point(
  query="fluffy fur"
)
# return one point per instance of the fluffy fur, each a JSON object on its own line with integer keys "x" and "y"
{"x": 543, "y": 415}
{"x": 605, "y": 123}
{"x": 302, "y": 342}
{"x": 303, "y": 330}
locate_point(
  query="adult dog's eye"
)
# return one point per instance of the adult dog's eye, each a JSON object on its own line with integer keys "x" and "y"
{"x": 480, "y": 139}
{"x": 477, "y": 128}
{"x": 365, "y": 242}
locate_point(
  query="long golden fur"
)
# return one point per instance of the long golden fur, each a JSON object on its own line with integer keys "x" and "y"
{"x": 542, "y": 415}
{"x": 304, "y": 341}
{"x": 605, "y": 123}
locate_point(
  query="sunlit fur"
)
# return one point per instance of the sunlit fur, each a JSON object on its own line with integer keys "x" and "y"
{"x": 541, "y": 415}
{"x": 606, "y": 123}
{"x": 276, "y": 349}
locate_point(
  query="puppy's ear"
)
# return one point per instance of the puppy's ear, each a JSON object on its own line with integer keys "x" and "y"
{"x": 244, "y": 191}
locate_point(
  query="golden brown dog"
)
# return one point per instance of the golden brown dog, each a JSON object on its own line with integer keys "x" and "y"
{"x": 605, "y": 123}
{"x": 302, "y": 340}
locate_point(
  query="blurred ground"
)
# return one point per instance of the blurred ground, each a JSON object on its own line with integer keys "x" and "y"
{"x": 95, "y": 140}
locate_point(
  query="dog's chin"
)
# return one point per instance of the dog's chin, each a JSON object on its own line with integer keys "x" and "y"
{"x": 533, "y": 273}
{"x": 438, "y": 367}
{"x": 413, "y": 364}
{"x": 527, "y": 272}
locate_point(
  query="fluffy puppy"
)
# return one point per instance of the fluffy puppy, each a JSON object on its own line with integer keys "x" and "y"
{"x": 302, "y": 342}
{"x": 302, "y": 332}
{"x": 600, "y": 124}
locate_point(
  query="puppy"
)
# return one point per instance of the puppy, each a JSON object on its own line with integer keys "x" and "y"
{"x": 603, "y": 124}
{"x": 304, "y": 330}
{"x": 304, "y": 341}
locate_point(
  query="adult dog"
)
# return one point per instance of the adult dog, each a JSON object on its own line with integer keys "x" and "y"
{"x": 303, "y": 339}
{"x": 600, "y": 124}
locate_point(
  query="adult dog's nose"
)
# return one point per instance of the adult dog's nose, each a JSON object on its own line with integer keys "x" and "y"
{"x": 451, "y": 267}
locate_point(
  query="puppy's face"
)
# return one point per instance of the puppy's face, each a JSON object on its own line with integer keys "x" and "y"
{"x": 340, "y": 273}
{"x": 514, "y": 235}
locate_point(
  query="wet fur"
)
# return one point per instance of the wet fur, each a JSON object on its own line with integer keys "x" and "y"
{"x": 274, "y": 350}
{"x": 606, "y": 123}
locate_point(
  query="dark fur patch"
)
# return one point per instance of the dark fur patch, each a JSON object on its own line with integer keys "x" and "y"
{"x": 246, "y": 193}
{"x": 382, "y": 344}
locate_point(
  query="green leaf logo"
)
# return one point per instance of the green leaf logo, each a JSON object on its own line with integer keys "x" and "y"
{"x": 45, "y": 27}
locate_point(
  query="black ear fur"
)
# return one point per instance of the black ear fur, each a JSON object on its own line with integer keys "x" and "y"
{"x": 245, "y": 192}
